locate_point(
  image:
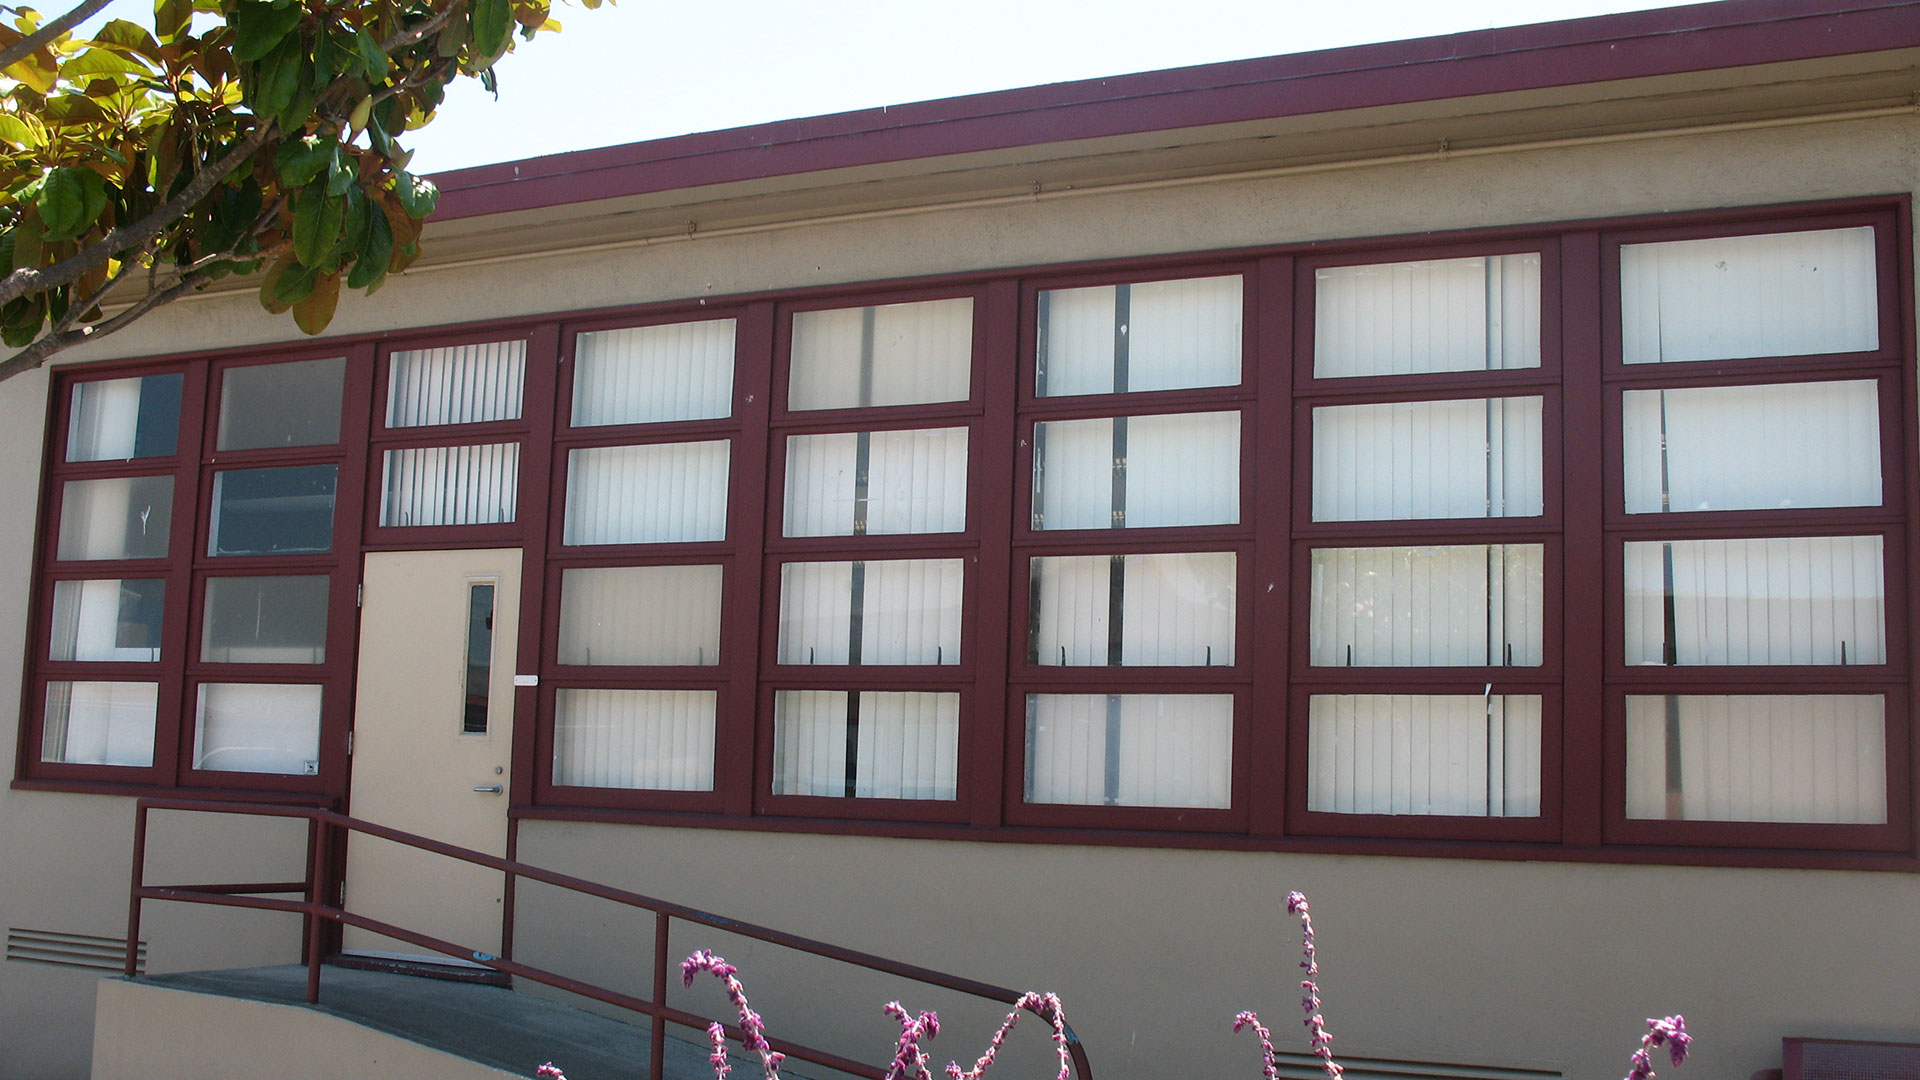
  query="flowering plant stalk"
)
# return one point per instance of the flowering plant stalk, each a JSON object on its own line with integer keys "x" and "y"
{"x": 1317, "y": 1035}
{"x": 752, "y": 1027}
{"x": 1045, "y": 1006}
{"x": 1668, "y": 1031}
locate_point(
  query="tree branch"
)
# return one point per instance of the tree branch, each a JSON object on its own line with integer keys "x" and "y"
{"x": 39, "y": 39}
{"x": 407, "y": 37}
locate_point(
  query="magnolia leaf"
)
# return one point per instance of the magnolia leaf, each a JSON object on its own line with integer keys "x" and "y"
{"x": 69, "y": 110}
{"x": 300, "y": 160}
{"x": 29, "y": 250}
{"x": 375, "y": 249}
{"x": 171, "y": 18}
{"x": 20, "y": 321}
{"x": 69, "y": 201}
{"x": 417, "y": 194}
{"x": 94, "y": 62}
{"x": 37, "y": 70}
{"x": 357, "y": 119}
{"x": 130, "y": 36}
{"x": 342, "y": 171}
{"x": 313, "y": 312}
{"x": 258, "y": 28}
{"x": 353, "y": 224}
{"x": 287, "y": 283}
{"x": 492, "y": 28}
{"x": 530, "y": 15}
{"x": 16, "y": 133}
{"x": 317, "y": 218}
{"x": 374, "y": 62}
{"x": 277, "y": 76}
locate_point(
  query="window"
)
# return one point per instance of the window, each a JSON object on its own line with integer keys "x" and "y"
{"x": 1532, "y": 542}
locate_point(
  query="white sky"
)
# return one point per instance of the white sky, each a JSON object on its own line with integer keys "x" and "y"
{"x": 653, "y": 68}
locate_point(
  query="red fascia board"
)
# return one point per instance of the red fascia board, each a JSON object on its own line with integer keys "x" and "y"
{"x": 1703, "y": 37}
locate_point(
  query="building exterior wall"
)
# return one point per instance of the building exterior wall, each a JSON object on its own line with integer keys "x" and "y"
{"x": 1489, "y": 962}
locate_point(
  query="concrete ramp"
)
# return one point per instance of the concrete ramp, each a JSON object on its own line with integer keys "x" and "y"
{"x": 253, "y": 1023}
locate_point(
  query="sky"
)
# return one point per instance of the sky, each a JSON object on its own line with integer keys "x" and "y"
{"x": 648, "y": 69}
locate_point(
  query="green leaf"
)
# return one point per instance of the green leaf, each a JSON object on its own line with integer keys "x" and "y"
{"x": 171, "y": 19}
{"x": 97, "y": 62}
{"x": 314, "y": 311}
{"x": 375, "y": 249}
{"x": 341, "y": 174}
{"x": 286, "y": 283}
{"x": 416, "y": 193}
{"x": 22, "y": 323}
{"x": 259, "y": 28}
{"x": 373, "y": 62}
{"x": 278, "y": 76}
{"x": 492, "y": 27}
{"x": 16, "y": 133}
{"x": 300, "y": 160}
{"x": 239, "y": 207}
{"x": 317, "y": 218}
{"x": 130, "y": 36}
{"x": 70, "y": 200}
{"x": 353, "y": 224}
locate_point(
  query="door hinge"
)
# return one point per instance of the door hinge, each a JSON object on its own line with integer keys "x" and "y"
{"x": 349, "y": 744}
{"x": 359, "y": 595}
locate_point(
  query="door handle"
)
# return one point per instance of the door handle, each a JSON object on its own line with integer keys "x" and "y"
{"x": 489, "y": 789}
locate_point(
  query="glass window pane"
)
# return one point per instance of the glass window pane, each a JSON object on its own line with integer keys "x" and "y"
{"x": 640, "y": 615}
{"x": 1730, "y": 297}
{"x": 1757, "y": 757}
{"x": 121, "y": 419}
{"x": 456, "y": 384}
{"x": 270, "y": 405}
{"x": 894, "y": 354}
{"x": 1473, "y": 314}
{"x": 1137, "y": 472}
{"x": 265, "y": 620}
{"x": 479, "y": 673}
{"x": 1130, "y": 749}
{"x": 115, "y": 619}
{"x": 1410, "y": 460}
{"x": 894, "y": 611}
{"x": 654, "y": 374}
{"x": 1472, "y": 605}
{"x": 450, "y": 485}
{"x": 1752, "y": 447}
{"x": 659, "y": 740}
{"x": 100, "y": 723}
{"x": 1154, "y": 335}
{"x": 661, "y": 493}
{"x": 1135, "y": 610}
{"x": 1784, "y": 600}
{"x": 273, "y": 511}
{"x": 866, "y": 744}
{"x": 257, "y": 727}
{"x": 1457, "y": 755}
{"x": 124, "y": 517}
{"x": 870, "y": 483}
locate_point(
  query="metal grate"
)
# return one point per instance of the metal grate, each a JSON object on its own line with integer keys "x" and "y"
{"x": 1828, "y": 1059}
{"x": 58, "y": 949}
{"x": 1307, "y": 1067}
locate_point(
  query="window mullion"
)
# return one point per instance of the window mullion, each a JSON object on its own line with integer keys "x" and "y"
{"x": 1582, "y": 575}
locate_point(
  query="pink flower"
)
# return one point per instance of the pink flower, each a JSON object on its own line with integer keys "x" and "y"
{"x": 752, "y": 1027}
{"x": 549, "y": 1071}
{"x": 1668, "y": 1031}
{"x": 1045, "y": 1006}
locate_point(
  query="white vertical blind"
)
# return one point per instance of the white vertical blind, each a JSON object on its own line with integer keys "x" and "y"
{"x": 659, "y": 740}
{"x": 1175, "y": 610}
{"x": 450, "y": 485}
{"x": 258, "y": 727}
{"x": 1458, "y": 755}
{"x": 1137, "y": 472}
{"x": 1754, "y": 757}
{"x": 1472, "y": 314}
{"x": 659, "y": 493}
{"x": 905, "y": 611}
{"x": 456, "y": 384}
{"x": 1177, "y": 334}
{"x": 104, "y": 423}
{"x": 122, "y": 517}
{"x": 1730, "y": 297}
{"x": 100, "y": 723}
{"x": 1130, "y": 749}
{"x": 905, "y": 745}
{"x": 87, "y": 622}
{"x": 1781, "y": 600}
{"x": 893, "y": 354}
{"x": 654, "y": 374}
{"x": 1455, "y": 605}
{"x": 1775, "y": 446}
{"x": 1472, "y": 458}
{"x": 916, "y": 482}
{"x": 640, "y": 615}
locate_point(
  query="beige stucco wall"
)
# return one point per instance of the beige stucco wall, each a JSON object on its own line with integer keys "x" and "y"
{"x": 1550, "y": 965}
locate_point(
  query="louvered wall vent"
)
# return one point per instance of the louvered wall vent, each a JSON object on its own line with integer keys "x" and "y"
{"x": 89, "y": 951}
{"x": 1307, "y": 1067}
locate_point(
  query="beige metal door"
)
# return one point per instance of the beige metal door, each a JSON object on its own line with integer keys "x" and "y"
{"x": 417, "y": 765}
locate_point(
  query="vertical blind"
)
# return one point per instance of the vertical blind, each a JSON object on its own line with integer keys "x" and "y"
{"x": 640, "y": 615}
{"x": 1137, "y": 471}
{"x": 1130, "y": 749}
{"x": 892, "y": 611}
{"x": 1155, "y": 335}
{"x": 450, "y": 485}
{"x": 257, "y": 727}
{"x": 1444, "y": 606}
{"x": 654, "y": 374}
{"x": 100, "y": 723}
{"x": 893, "y": 354}
{"x": 1408, "y": 318}
{"x": 456, "y": 384}
{"x": 660, "y": 740}
{"x": 1731, "y": 297}
{"x": 877, "y": 482}
{"x": 122, "y": 517}
{"x": 1757, "y": 757}
{"x": 1472, "y": 458}
{"x": 1774, "y": 446}
{"x": 1780, "y": 600}
{"x": 866, "y": 744}
{"x": 652, "y": 494}
{"x": 107, "y": 620}
{"x": 121, "y": 419}
{"x": 1174, "y": 610}
{"x": 1459, "y": 755}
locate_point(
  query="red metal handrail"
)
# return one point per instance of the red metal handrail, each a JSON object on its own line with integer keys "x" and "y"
{"x": 324, "y": 827}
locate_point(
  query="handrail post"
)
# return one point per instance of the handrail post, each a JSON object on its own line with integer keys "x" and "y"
{"x": 657, "y": 1046}
{"x": 316, "y": 897}
{"x": 133, "y": 892}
